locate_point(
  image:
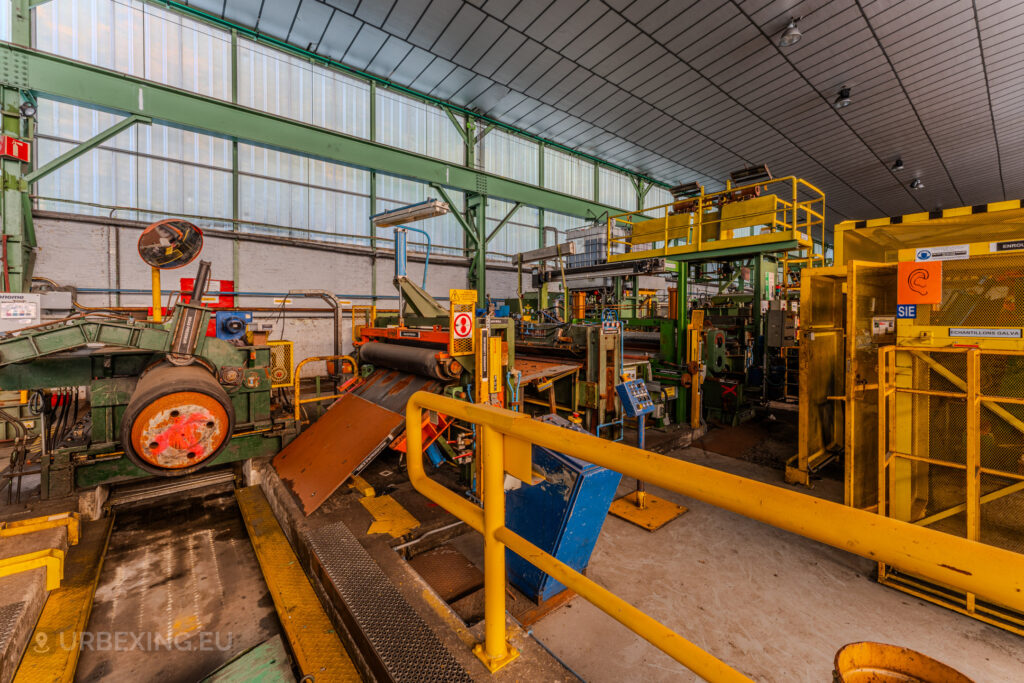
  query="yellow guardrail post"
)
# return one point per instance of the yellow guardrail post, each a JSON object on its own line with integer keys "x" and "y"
{"x": 495, "y": 652}
{"x": 71, "y": 520}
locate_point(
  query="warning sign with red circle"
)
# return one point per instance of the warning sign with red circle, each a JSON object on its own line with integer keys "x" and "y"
{"x": 462, "y": 325}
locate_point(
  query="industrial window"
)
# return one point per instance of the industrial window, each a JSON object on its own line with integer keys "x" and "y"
{"x": 281, "y": 193}
{"x": 519, "y": 234}
{"x": 616, "y": 189}
{"x": 275, "y": 82}
{"x": 561, "y": 223}
{"x": 143, "y": 173}
{"x": 138, "y": 39}
{"x": 446, "y": 234}
{"x": 657, "y": 196}
{"x": 5, "y": 19}
{"x": 509, "y": 155}
{"x": 568, "y": 173}
{"x": 418, "y": 127}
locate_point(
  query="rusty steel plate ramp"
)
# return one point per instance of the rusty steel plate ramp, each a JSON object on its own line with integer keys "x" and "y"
{"x": 348, "y": 436}
{"x": 353, "y": 431}
{"x": 396, "y": 643}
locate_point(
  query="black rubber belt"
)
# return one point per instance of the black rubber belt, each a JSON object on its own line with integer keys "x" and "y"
{"x": 394, "y": 640}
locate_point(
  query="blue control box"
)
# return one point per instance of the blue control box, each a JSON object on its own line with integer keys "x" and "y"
{"x": 635, "y": 398}
{"x": 561, "y": 515}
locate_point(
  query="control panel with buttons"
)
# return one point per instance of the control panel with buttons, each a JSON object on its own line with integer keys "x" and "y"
{"x": 635, "y": 398}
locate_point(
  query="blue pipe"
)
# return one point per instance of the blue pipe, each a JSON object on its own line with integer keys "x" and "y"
{"x": 111, "y": 290}
{"x": 426, "y": 263}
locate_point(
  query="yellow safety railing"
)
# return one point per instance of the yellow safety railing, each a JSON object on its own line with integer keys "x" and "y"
{"x": 298, "y": 379}
{"x": 701, "y": 222}
{"x": 507, "y": 440}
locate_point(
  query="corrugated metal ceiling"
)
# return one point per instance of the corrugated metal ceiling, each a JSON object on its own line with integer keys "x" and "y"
{"x": 693, "y": 89}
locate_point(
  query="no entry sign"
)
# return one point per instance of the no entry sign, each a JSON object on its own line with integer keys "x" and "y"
{"x": 462, "y": 325}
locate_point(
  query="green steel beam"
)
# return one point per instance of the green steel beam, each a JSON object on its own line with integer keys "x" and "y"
{"x": 458, "y": 126}
{"x": 502, "y": 223}
{"x": 455, "y": 212}
{"x": 78, "y": 83}
{"x": 83, "y": 147}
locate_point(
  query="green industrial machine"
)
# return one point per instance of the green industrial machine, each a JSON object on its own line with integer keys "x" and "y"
{"x": 124, "y": 366}
{"x": 160, "y": 398}
{"x": 596, "y": 352}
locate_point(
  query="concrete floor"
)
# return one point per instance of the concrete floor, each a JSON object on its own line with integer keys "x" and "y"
{"x": 773, "y": 605}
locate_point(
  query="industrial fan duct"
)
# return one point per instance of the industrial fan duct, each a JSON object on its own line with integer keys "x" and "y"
{"x": 412, "y": 359}
{"x": 178, "y": 419}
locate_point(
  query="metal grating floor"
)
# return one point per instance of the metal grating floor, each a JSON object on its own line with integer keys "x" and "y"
{"x": 9, "y": 615}
{"x": 404, "y": 646}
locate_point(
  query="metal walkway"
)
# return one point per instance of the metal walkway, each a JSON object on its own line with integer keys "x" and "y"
{"x": 397, "y": 644}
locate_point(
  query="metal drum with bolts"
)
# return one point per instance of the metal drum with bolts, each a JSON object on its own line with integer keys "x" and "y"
{"x": 178, "y": 419}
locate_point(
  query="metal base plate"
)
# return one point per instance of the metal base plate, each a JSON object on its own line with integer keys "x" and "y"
{"x": 656, "y": 512}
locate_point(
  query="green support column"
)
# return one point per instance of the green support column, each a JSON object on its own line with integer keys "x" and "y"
{"x": 235, "y": 266}
{"x": 683, "y": 402}
{"x": 15, "y": 206}
{"x": 20, "y": 245}
{"x": 476, "y": 206}
{"x": 373, "y": 198}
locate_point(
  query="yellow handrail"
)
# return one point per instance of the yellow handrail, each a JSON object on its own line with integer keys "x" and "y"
{"x": 298, "y": 377}
{"x": 992, "y": 573}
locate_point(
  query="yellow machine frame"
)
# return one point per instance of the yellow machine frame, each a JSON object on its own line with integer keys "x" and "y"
{"x": 915, "y": 409}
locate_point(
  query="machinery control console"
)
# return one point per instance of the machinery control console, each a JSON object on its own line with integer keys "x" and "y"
{"x": 635, "y": 398}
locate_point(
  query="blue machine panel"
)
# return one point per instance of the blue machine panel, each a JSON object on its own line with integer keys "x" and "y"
{"x": 562, "y": 515}
{"x": 635, "y": 398}
{"x": 232, "y": 324}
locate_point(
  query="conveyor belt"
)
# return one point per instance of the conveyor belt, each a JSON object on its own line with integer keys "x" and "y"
{"x": 395, "y": 641}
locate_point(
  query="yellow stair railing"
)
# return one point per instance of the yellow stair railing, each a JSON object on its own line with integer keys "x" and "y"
{"x": 507, "y": 439}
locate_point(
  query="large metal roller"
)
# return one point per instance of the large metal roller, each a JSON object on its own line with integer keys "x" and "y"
{"x": 412, "y": 359}
{"x": 177, "y": 420}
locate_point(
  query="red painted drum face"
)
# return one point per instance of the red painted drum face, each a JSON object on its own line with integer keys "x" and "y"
{"x": 179, "y": 430}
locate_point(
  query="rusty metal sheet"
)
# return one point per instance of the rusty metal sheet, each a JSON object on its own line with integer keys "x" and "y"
{"x": 539, "y": 368}
{"x": 391, "y": 389}
{"x": 448, "y": 571}
{"x": 348, "y": 436}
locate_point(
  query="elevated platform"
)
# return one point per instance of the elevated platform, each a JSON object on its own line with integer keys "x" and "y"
{"x": 776, "y": 215}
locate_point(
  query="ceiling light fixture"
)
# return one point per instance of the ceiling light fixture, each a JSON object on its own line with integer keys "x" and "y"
{"x": 843, "y": 99}
{"x": 791, "y": 36}
{"x": 28, "y": 110}
{"x": 897, "y": 165}
{"x": 916, "y": 184}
